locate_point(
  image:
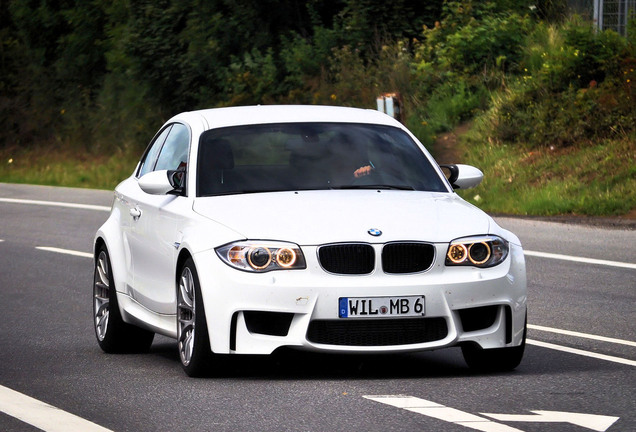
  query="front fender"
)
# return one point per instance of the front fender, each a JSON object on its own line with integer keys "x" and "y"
{"x": 110, "y": 235}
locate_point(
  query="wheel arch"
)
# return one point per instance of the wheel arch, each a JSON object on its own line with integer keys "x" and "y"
{"x": 184, "y": 254}
{"x": 106, "y": 237}
{"x": 99, "y": 243}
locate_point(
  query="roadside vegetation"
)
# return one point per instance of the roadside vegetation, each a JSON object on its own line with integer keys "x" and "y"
{"x": 551, "y": 101}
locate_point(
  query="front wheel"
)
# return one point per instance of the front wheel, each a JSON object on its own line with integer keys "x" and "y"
{"x": 494, "y": 360}
{"x": 113, "y": 334}
{"x": 192, "y": 331}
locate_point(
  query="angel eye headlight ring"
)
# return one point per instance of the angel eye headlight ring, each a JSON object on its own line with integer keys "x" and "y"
{"x": 457, "y": 253}
{"x": 257, "y": 256}
{"x": 478, "y": 251}
{"x": 285, "y": 257}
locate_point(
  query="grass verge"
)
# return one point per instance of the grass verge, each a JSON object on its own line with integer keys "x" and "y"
{"x": 596, "y": 179}
{"x": 64, "y": 167}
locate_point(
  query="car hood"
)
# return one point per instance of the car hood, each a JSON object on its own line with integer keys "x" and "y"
{"x": 319, "y": 217}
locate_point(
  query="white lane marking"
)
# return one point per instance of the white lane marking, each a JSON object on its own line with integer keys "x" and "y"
{"x": 581, "y": 352}
{"x": 441, "y": 412}
{"x": 56, "y": 204}
{"x": 582, "y": 335}
{"x": 65, "y": 251}
{"x": 595, "y": 422}
{"x": 42, "y": 415}
{"x": 579, "y": 259}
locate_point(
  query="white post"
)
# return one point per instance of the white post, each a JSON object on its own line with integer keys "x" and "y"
{"x": 598, "y": 14}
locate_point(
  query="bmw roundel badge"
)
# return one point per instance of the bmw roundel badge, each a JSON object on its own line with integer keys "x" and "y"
{"x": 375, "y": 232}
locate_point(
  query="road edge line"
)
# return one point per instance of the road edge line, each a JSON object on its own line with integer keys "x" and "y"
{"x": 579, "y": 259}
{"x": 581, "y": 352}
{"x": 582, "y": 335}
{"x": 56, "y": 204}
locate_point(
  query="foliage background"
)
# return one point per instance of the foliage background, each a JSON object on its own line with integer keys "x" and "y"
{"x": 85, "y": 83}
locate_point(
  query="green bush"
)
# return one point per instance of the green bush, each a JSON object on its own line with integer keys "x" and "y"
{"x": 575, "y": 86}
{"x": 451, "y": 103}
{"x": 474, "y": 37}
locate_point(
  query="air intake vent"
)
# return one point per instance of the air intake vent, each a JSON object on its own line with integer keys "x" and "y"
{"x": 354, "y": 258}
{"x": 379, "y": 332}
{"x": 407, "y": 257}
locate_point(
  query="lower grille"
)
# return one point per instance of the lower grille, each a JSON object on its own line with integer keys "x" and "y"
{"x": 381, "y": 332}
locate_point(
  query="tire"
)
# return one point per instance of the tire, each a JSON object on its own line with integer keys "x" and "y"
{"x": 113, "y": 334}
{"x": 495, "y": 360}
{"x": 193, "y": 341}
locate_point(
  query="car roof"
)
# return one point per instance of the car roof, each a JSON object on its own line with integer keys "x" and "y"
{"x": 264, "y": 114}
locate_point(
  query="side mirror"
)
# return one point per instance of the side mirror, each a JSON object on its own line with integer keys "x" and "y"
{"x": 177, "y": 179}
{"x": 156, "y": 183}
{"x": 463, "y": 176}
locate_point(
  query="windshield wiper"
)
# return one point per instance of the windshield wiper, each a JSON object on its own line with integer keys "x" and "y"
{"x": 377, "y": 186}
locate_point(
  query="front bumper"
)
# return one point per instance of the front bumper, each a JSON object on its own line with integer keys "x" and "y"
{"x": 249, "y": 313}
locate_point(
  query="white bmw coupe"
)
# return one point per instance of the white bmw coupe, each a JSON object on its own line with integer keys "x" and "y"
{"x": 244, "y": 230}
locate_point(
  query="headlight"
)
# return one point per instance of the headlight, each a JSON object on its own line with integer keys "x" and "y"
{"x": 479, "y": 251}
{"x": 256, "y": 256}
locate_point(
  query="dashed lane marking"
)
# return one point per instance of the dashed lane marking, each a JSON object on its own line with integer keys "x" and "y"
{"x": 65, "y": 251}
{"x": 42, "y": 415}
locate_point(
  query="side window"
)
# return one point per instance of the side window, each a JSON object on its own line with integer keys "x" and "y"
{"x": 174, "y": 154}
{"x": 150, "y": 158}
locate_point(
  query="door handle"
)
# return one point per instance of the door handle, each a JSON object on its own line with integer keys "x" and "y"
{"x": 135, "y": 213}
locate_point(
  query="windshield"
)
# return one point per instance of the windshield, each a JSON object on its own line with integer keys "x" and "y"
{"x": 311, "y": 156}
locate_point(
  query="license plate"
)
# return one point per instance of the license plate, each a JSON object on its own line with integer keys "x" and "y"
{"x": 381, "y": 307}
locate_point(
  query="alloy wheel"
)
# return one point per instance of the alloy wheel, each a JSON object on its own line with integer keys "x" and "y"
{"x": 101, "y": 291}
{"x": 186, "y": 316}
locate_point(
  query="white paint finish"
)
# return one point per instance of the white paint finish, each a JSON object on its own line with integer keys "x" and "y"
{"x": 65, "y": 251}
{"x": 42, "y": 415}
{"x": 56, "y": 204}
{"x": 441, "y": 412}
{"x": 579, "y": 259}
{"x": 594, "y": 422}
{"x": 582, "y": 335}
{"x": 347, "y": 215}
{"x": 581, "y": 352}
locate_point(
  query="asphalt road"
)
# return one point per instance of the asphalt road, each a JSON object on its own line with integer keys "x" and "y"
{"x": 48, "y": 349}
